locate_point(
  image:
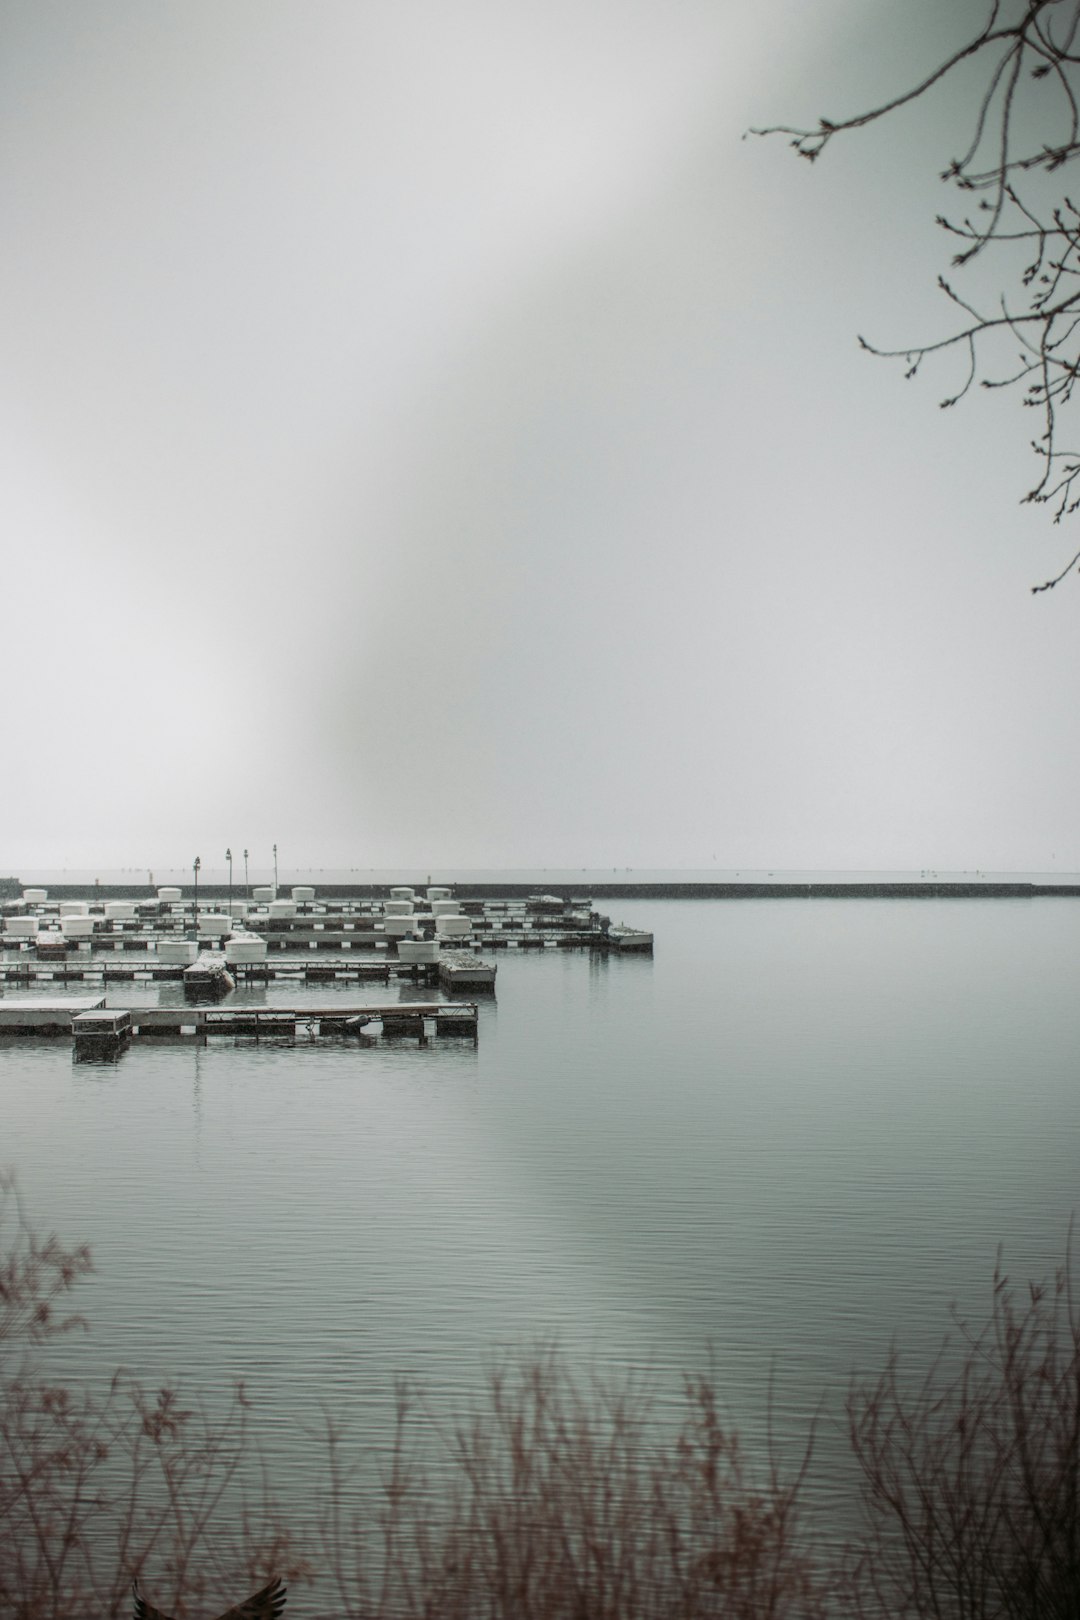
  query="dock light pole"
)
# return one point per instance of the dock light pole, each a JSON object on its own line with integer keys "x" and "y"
{"x": 275, "y": 869}
{"x": 247, "y": 885}
{"x": 228, "y": 857}
{"x": 195, "y": 869}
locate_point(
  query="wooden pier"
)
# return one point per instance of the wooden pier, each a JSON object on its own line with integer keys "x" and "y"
{"x": 107, "y": 941}
{"x": 397, "y": 1018}
{"x": 53, "y": 1017}
{"x": 415, "y": 1019}
{"x": 456, "y": 969}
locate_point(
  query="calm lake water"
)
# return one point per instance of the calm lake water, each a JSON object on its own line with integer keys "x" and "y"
{"x": 800, "y": 1130}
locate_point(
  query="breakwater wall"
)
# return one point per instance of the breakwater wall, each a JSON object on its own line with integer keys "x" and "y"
{"x": 622, "y": 889}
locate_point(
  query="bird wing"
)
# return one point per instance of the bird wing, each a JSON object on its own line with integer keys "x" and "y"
{"x": 265, "y": 1605}
{"x": 144, "y": 1610}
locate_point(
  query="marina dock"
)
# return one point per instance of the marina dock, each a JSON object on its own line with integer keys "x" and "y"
{"x": 433, "y": 943}
{"x": 418, "y": 1019}
{"x": 334, "y": 925}
{"x": 52, "y": 1017}
{"x": 454, "y": 970}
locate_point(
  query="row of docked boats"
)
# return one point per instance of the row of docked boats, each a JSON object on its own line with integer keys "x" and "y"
{"x": 413, "y": 926}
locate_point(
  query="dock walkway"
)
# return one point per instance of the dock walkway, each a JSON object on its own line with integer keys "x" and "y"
{"x": 395, "y": 1018}
{"x": 454, "y": 969}
{"x": 398, "y": 1018}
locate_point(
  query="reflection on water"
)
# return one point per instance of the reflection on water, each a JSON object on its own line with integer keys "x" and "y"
{"x": 801, "y": 1129}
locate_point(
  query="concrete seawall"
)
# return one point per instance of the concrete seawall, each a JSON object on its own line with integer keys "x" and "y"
{"x": 621, "y": 889}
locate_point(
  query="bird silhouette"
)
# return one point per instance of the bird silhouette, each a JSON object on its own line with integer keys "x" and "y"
{"x": 265, "y": 1605}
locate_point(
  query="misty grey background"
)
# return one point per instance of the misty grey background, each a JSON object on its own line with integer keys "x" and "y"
{"x": 432, "y": 433}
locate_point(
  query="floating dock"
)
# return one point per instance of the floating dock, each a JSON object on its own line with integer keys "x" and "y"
{"x": 419, "y": 1019}
{"x": 455, "y": 969}
{"x": 52, "y": 1017}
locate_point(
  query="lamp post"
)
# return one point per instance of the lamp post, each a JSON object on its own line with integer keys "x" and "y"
{"x": 247, "y": 885}
{"x": 195, "y": 869}
{"x": 275, "y": 869}
{"x": 228, "y": 857}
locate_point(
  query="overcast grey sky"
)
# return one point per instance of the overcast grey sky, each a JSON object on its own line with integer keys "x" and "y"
{"x": 431, "y": 435}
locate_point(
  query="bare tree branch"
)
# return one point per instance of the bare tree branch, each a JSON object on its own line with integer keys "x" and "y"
{"x": 1026, "y": 127}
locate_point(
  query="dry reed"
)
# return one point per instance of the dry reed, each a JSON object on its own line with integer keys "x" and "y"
{"x": 548, "y": 1499}
{"x": 970, "y": 1477}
